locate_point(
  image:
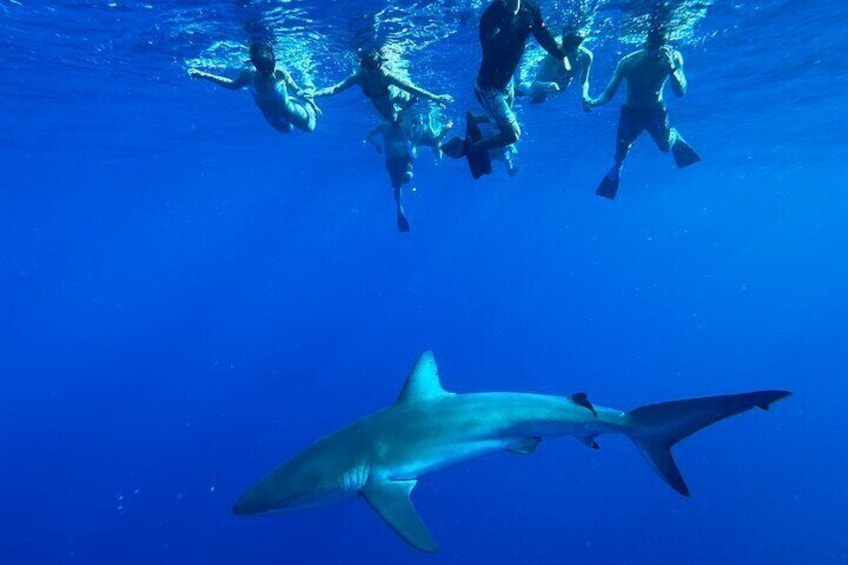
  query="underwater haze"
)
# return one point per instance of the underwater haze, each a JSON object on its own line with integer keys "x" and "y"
{"x": 188, "y": 297}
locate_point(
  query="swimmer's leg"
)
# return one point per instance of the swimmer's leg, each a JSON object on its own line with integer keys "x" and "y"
{"x": 630, "y": 126}
{"x": 402, "y": 223}
{"x": 668, "y": 139}
{"x": 302, "y": 115}
{"x": 400, "y": 173}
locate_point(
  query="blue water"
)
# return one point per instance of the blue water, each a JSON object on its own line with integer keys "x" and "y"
{"x": 188, "y": 297}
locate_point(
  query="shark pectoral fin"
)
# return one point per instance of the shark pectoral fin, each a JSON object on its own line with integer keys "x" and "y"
{"x": 589, "y": 441}
{"x": 390, "y": 499}
{"x": 526, "y": 446}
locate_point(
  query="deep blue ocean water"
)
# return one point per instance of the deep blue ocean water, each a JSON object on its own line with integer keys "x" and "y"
{"x": 188, "y": 297}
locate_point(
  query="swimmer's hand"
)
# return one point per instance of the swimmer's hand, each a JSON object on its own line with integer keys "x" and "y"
{"x": 589, "y": 103}
{"x": 197, "y": 73}
{"x": 551, "y": 87}
{"x": 308, "y": 93}
{"x": 444, "y": 99}
{"x": 668, "y": 54}
{"x": 566, "y": 64}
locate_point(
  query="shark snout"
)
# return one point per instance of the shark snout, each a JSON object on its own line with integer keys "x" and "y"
{"x": 249, "y": 504}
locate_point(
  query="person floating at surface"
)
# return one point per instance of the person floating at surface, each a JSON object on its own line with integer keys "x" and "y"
{"x": 646, "y": 71}
{"x": 269, "y": 86}
{"x": 505, "y": 27}
{"x": 389, "y": 93}
{"x": 551, "y": 75}
{"x": 396, "y": 149}
{"x": 425, "y": 128}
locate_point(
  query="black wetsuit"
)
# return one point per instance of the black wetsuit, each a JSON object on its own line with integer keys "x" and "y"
{"x": 503, "y": 36}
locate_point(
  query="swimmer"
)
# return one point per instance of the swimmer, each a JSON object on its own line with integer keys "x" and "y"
{"x": 270, "y": 87}
{"x": 646, "y": 73}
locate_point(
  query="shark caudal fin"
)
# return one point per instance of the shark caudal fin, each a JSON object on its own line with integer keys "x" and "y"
{"x": 656, "y": 428}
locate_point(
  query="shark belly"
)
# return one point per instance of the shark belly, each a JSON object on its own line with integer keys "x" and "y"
{"x": 433, "y": 458}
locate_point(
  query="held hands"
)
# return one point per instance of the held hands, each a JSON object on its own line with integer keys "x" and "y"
{"x": 444, "y": 99}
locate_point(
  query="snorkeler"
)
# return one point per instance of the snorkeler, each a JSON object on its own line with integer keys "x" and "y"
{"x": 389, "y": 93}
{"x": 398, "y": 142}
{"x": 396, "y": 149}
{"x": 553, "y": 78}
{"x": 646, "y": 72}
{"x": 269, "y": 86}
{"x": 425, "y": 127}
{"x": 505, "y": 27}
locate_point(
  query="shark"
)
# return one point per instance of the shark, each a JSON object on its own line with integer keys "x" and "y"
{"x": 381, "y": 457}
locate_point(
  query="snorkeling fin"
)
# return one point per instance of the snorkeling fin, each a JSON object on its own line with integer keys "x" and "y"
{"x": 683, "y": 153}
{"x": 454, "y": 148}
{"x": 478, "y": 161}
{"x": 608, "y": 187}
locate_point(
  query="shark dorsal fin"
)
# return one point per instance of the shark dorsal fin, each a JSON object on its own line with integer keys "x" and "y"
{"x": 423, "y": 381}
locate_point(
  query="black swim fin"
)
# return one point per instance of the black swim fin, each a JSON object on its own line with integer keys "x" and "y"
{"x": 478, "y": 161}
{"x": 608, "y": 187}
{"x": 454, "y": 148}
{"x": 683, "y": 153}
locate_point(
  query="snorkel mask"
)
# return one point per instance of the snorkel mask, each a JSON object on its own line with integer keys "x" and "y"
{"x": 656, "y": 39}
{"x": 263, "y": 58}
{"x": 371, "y": 60}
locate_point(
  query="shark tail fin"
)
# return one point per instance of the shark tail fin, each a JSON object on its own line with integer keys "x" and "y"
{"x": 656, "y": 428}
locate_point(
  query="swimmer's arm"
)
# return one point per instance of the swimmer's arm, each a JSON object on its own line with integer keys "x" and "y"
{"x": 524, "y": 88}
{"x": 242, "y": 80}
{"x": 282, "y": 75}
{"x": 546, "y": 77}
{"x": 417, "y": 90}
{"x": 679, "y": 84}
{"x": 588, "y": 58}
{"x": 338, "y": 87}
{"x": 489, "y": 22}
{"x": 546, "y": 39}
{"x": 612, "y": 87}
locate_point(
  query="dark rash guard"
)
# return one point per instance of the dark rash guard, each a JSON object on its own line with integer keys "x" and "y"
{"x": 504, "y": 35}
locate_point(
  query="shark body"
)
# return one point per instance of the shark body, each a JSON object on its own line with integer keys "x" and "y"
{"x": 381, "y": 456}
